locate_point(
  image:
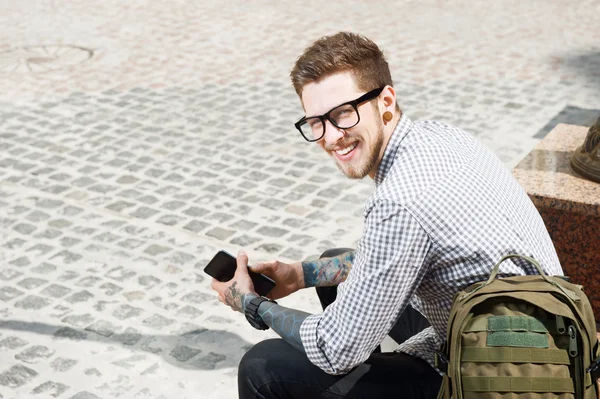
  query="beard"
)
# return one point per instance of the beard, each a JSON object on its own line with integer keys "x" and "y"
{"x": 359, "y": 168}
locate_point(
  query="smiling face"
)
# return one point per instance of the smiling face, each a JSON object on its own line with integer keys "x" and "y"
{"x": 357, "y": 151}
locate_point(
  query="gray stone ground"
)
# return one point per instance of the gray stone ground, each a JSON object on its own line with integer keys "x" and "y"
{"x": 121, "y": 174}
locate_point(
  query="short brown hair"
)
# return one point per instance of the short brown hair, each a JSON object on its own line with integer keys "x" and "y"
{"x": 344, "y": 51}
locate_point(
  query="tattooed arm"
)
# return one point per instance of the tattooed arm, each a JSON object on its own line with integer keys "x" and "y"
{"x": 327, "y": 271}
{"x": 239, "y": 291}
{"x": 284, "y": 321}
{"x": 291, "y": 277}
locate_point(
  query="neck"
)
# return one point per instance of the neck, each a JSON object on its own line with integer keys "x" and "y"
{"x": 388, "y": 130}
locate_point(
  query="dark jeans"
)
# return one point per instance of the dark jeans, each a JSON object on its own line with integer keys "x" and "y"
{"x": 274, "y": 369}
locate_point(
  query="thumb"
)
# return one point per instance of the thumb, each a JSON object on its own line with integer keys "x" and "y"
{"x": 242, "y": 262}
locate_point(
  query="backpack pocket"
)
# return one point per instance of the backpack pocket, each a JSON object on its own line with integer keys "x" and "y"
{"x": 516, "y": 350}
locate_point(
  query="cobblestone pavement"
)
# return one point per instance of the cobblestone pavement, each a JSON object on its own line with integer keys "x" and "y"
{"x": 125, "y": 166}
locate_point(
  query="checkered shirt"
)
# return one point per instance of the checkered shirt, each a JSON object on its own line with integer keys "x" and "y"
{"x": 444, "y": 211}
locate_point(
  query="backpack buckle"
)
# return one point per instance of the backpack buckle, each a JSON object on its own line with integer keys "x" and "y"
{"x": 594, "y": 366}
{"x": 594, "y": 369}
{"x": 440, "y": 362}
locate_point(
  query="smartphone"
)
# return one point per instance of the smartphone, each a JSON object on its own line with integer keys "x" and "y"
{"x": 223, "y": 265}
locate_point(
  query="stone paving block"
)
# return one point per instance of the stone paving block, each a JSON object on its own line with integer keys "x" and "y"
{"x": 272, "y": 231}
{"x": 184, "y": 353}
{"x": 32, "y": 302}
{"x": 70, "y": 333}
{"x": 102, "y": 327}
{"x": 17, "y": 376}
{"x": 67, "y": 275}
{"x": 80, "y": 320}
{"x": 157, "y": 321}
{"x": 81, "y": 296}
{"x": 196, "y": 226}
{"x": 9, "y": 274}
{"x": 24, "y": 228}
{"x": 245, "y": 240}
{"x": 93, "y": 372}
{"x": 21, "y": 261}
{"x": 32, "y": 282}
{"x": 85, "y": 395}
{"x": 207, "y": 362}
{"x": 196, "y": 297}
{"x": 110, "y": 288}
{"x": 155, "y": 249}
{"x": 40, "y": 249}
{"x": 88, "y": 281}
{"x": 8, "y": 293}
{"x": 220, "y": 233}
{"x": 129, "y": 337}
{"x": 119, "y": 274}
{"x": 34, "y": 354}
{"x": 148, "y": 281}
{"x": 66, "y": 257}
{"x": 189, "y": 312}
{"x": 12, "y": 343}
{"x": 125, "y": 311}
{"x": 50, "y": 388}
{"x": 61, "y": 364}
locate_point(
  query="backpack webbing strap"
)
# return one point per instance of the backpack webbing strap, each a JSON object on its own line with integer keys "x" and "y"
{"x": 515, "y": 355}
{"x": 517, "y": 384}
{"x": 517, "y": 339}
{"x": 515, "y": 323}
{"x": 481, "y": 324}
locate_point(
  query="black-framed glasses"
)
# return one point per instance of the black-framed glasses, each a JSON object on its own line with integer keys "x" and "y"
{"x": 344, "y": 116}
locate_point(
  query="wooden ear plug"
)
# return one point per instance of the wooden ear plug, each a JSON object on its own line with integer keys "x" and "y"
{"x": 387, "y": 116}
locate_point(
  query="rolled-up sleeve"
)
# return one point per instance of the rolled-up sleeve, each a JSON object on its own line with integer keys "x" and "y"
{"x": 389, "y": 265}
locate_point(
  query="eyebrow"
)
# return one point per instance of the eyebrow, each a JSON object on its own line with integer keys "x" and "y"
{"x": 330, "y": 109}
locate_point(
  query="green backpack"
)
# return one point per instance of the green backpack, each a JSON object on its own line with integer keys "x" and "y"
{"x": 520, "y": 337}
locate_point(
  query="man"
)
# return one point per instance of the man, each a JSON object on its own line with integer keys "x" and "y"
{"x": 444, "y": 210}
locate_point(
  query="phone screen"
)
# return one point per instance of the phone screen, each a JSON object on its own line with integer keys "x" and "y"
{"x": 222, "y": 267}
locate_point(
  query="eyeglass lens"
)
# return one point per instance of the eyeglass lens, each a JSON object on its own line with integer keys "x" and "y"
{"x": 343, "y": 117}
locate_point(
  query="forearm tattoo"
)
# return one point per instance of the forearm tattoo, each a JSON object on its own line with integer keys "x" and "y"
{"x": 234, "y": 298}
{"x": 285, "y": 322}
{"x": 327, "y": 271}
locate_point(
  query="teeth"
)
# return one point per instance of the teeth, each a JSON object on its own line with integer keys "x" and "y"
{"x": 346, "y": 150}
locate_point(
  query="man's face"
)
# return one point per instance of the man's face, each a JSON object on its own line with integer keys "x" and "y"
{"x": 357, "y": 150}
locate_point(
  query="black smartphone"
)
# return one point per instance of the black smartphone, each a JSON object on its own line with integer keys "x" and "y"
{"x": 223, "y": 265}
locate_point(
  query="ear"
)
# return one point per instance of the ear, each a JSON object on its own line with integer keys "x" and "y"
{"x": 388, "y": 98}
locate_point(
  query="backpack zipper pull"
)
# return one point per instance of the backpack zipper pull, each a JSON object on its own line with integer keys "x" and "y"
{"x": 573, "y": 341}
{"x": 560, "y": 325}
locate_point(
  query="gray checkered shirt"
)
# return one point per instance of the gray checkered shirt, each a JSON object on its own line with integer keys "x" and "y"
{"x": 444, "y": 211}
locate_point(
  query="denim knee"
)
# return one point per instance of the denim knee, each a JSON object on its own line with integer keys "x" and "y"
{"x": 252, "y": 371}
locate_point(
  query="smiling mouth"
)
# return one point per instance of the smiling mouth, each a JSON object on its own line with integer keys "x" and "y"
{"x": 347, "y": 150}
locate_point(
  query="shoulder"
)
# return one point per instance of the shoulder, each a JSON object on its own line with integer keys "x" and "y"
{"x": 428, "y": 154}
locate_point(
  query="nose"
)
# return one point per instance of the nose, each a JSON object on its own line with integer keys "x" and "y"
{"x": 332, "y": 134}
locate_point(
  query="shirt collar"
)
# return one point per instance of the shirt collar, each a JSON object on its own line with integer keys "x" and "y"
{"x": 400, "y": 131}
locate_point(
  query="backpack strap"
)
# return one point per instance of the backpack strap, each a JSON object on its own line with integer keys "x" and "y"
{"x": 570, "y": 294}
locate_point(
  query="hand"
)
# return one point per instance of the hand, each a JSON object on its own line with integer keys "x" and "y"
{"x": 232, "y": 292}
{"x": 288, "y": 278}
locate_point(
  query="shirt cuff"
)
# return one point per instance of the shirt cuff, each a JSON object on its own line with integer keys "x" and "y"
{"x": 311, "y": 343}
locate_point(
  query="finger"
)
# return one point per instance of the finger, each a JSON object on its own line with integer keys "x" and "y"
{"x": 257, "y": 267}
{"x": 262, "y": 267}
{"x": 242, "y": 262}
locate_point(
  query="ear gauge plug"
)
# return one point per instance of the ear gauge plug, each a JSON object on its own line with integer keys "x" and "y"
{"x": 387, "y": 116}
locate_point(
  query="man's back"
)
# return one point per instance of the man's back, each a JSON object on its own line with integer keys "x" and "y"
{"x": 469, "y": 205}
